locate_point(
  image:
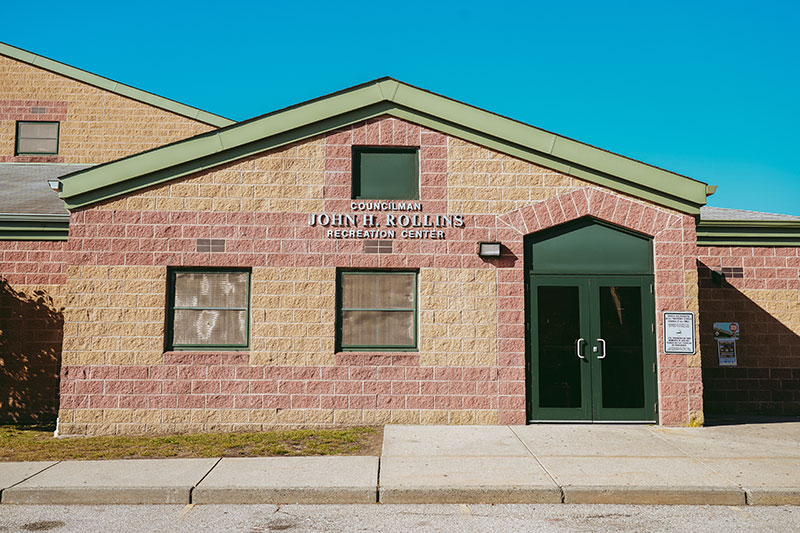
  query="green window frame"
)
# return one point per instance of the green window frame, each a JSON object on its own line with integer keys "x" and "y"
{"x": 385, "y": 173}
{"x": 386, "y": 312}
{"x": 23, "y": 136}
{"x": 208, "y": 312}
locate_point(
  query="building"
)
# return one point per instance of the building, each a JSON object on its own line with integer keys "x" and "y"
{"x": 385, "y": 254}
{"x": 56, "y": 119}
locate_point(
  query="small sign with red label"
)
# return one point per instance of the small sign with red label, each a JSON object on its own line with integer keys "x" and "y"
{"x": 726, "y": 330}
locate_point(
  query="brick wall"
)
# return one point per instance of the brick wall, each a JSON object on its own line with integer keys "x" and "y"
{"x": 471, "y": 364}
{"x": 32, "y": 275}
{"x": 762, "y": 293}
{"x": 96, "y": 125}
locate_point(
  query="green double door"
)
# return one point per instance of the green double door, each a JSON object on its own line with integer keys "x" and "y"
{"x": 592, "y": 348}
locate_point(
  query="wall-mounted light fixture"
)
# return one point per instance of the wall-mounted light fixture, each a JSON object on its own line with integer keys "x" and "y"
{"x": 489, "y": 249}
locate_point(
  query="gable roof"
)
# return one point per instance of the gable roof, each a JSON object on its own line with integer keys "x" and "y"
{"x": 113, "y": 86}
{"x": 384, "y": 96}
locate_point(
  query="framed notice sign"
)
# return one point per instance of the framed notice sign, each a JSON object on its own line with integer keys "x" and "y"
{"x": 679, "y": 332}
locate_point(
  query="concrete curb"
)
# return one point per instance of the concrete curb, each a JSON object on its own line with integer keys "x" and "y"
{"x": 305, "y": 495}
{"x": 773, "y": 496}
{"x": 97, "y": 495}
{"x": 486, "y": 494}
{"x": 633, "y": 495}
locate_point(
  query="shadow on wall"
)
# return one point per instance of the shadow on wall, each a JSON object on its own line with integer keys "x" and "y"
{"x": 31, "y": 333}
{"x": 766, "y": 380}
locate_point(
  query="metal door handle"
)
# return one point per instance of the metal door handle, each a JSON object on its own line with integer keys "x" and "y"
{"x": 578, "y": 347}
{"x": 603, "y": 343}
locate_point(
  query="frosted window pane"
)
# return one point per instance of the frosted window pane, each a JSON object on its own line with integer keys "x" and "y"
{"x": 215, "y": 289}
{"x": 378, "y": 328}
{"x": 210, "y": 327}
{"x": 378, "y": 291}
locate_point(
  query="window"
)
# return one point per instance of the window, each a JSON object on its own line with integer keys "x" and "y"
{"x": 37, "y": 138}
{"x": 208, "y": 309}
{"x": 385, "y": 173}
{"x": 377, "y": 310}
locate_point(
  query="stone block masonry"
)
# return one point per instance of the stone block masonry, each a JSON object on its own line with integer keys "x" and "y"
{"x": 764, "y": 298}
{"x": 95, "y": 125}
{"x": 470, "y": 365}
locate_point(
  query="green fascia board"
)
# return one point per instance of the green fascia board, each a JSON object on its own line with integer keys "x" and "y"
{"x": 114, "y": 87}
{"x": 15, "y": 227}
{"x": 748, "y": 233}
{"x": 558, "y": 147}
{"x": 383, "y": 97}
{"x": 79, "y": 195}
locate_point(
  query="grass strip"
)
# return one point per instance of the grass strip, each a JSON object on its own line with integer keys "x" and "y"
{"x": 36, "y": 443}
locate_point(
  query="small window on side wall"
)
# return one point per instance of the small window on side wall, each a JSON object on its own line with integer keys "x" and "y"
{"x": 385, "y": 173}
{"x": 377, "y": 310}
{"x": 208, "y": 309}
{"x": 37, "y": 138}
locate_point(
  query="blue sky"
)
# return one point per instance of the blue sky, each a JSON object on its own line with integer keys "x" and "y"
{"x": 707, "y": 89}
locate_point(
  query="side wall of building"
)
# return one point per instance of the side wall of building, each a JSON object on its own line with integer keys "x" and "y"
{"x": 32, "y": 275}
{"x": 761, "y": 291}
{"x": 95, "y": 125}
{"x": 470, "y": 367}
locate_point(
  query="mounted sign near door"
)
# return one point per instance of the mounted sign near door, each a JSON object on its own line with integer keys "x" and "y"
{"x": 679, "y": 332}
{"x": 726, "y": 334}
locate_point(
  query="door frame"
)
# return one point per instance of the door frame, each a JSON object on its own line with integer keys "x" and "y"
{"x": 591, "y": 410}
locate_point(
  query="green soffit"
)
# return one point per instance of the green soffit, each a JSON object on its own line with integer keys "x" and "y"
{"x": 114, "y": 87}
{"x": 748, "y": 233}
{"x": 34, "y": 227}
{"x": 373, "y": 99}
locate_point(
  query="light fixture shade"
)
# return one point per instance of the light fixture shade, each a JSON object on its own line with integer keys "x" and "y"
{"x": 489, "y": 249}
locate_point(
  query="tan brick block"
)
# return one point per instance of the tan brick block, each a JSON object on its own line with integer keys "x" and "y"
{"x": 176, "y": 416}
{"x": 486, "y": 418}
{"x": 120, "y": 358}
{"x": 488, "y": 358}
{"x": 376, "y": 417}
{"x": 101, "y": 429}
{"x": 462, "y": 417}
{"x": 319, "y": 416}
{"x": 71, "y": 429}
{"x": 291, "y": 416}
{"x": 348, "y": 417}
{"x": 405, "y": 416}
{"x": 435, "y": 417}
{"x": 263, "y": 416}
{"x": 66, "y": 416}
{"x": 231, "y": 416}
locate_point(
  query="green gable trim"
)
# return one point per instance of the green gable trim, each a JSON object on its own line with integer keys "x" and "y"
{"x": 114, "y": 87}
{"x": 393, "y": 98}
{"x": 748, "y": 233}
{"x": 34, "y": 227}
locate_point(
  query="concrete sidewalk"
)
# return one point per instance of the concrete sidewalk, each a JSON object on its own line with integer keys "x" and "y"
{"x": 756, "y": 464}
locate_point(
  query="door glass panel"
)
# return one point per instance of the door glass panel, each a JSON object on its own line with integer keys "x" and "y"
{"x": 558, "y": 328}
{"x": 621, "y": 328}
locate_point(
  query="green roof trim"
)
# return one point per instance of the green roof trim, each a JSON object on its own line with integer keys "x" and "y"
{"x": 383, "y": 97}
{"x": 748, "y": 233}
{"x": 114, "y": 86}
{"x": 34, "y": 227}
